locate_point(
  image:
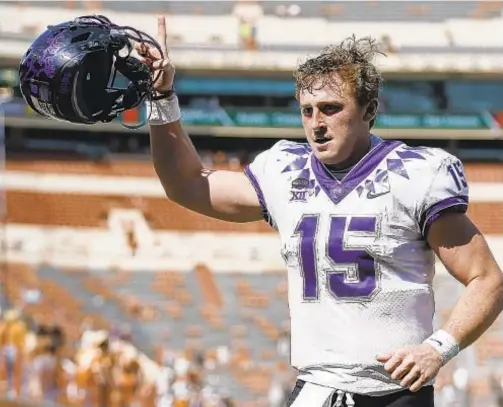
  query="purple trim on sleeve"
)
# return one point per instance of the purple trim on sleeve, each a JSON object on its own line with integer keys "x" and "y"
{"x": 260, "y": 195}
{"x": 453, "y": 204}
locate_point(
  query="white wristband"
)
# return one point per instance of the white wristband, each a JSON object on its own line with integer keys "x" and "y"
{"x": 164, "y": 111}
{"x": 444, "y": 343}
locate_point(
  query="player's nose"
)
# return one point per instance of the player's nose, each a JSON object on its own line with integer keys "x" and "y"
{"x": 317, "y": 119}
{"x": 319, "y": 132}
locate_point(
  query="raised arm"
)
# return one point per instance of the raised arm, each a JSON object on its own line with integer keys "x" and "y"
{"x": 225, "y": 195}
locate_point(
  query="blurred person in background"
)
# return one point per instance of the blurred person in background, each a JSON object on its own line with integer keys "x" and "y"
{"x": 13, "y": 333}
{"x": 361, "y": 220}
{"x": 283, "y": 342}
{"x": 454, "y": 390}
{"x": 45, "y": 370}
{"x": 247, "y": 13}
{"x": 102, "y": 369}
{"x": 128, "y": 378}
{"x": 276, "y": 395}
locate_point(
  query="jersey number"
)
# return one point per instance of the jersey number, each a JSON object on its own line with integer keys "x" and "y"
{"x": 456, "y": 171}
{"x": 352, "y": 271}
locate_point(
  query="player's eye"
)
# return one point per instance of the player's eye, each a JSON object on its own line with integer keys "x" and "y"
{"x": 307, "y": 111}
{"x": 330, "y": 109}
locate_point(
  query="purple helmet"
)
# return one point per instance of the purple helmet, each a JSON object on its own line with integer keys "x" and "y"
{"x": 69, "y": 71}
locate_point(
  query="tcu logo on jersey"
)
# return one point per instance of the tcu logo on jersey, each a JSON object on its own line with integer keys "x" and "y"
{"x": 301, "y": 190}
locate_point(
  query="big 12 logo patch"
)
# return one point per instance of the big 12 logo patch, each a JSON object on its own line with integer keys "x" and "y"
{"x": 301, "y": 190}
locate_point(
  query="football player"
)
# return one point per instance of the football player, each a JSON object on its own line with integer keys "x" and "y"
{"x": 361, "y": 220}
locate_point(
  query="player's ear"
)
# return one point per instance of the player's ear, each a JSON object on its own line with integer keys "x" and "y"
{"x": 371, "y": 111}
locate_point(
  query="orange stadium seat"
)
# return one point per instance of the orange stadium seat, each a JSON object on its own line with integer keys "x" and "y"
{"x": 115, "y": 168}
{"x": 211, "y": 293}
{"x": 76, "y": 210}
{"x": 488, "y": 216}
{"x": 476, "y": 172}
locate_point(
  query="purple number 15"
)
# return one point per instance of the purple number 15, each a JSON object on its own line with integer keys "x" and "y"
{"x": 351, "y": 273}
{"x": 456, "y": 171}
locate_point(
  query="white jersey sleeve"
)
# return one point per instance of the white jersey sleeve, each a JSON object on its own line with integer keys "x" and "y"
{"x": 447, "y": 193}
{"x": 259, "y": 173}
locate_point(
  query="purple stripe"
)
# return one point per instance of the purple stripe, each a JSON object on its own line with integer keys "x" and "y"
{"x": 453, "y": 204}
{"x": 260, "y": 195}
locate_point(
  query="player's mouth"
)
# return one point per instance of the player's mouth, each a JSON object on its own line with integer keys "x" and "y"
{"x": 322, "y": 140}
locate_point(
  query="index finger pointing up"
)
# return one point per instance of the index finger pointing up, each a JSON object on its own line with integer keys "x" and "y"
{"x": 162, "y": 34}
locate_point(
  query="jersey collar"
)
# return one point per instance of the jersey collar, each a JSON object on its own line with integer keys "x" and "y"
{"x": 338, "y": 190}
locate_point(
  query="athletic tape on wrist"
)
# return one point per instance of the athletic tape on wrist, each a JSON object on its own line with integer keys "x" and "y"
{"x": 165, "y": 111}
{"x": 444, "y": 343}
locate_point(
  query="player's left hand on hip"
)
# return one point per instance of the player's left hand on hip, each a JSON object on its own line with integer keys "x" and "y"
{"x": 413, "y": 365}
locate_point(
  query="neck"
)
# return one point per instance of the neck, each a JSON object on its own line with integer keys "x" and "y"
{"x": 360, "y": 150}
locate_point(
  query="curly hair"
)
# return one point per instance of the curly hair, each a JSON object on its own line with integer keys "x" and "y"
{"x": 352, "y": 59}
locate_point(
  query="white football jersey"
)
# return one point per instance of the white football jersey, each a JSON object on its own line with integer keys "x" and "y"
{"x": 359, "y": 269}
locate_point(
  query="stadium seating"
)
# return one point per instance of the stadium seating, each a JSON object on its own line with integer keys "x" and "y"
{"x": 121, "y": 292}
{"x": 340, "y": 10}
{"x": 249, "y": 328}
{"x": 92, "y": 211}
{"x": 113, "y": 168}
{"x": 448, "y": 26}
{"x": 475, "y": 33}
{"x": 475, "y": 172}
{"x": 86, "y": 210}
{"x": 207, "y": 313}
